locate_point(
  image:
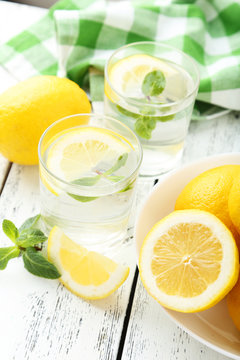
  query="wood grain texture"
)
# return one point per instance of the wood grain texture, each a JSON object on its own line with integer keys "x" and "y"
{"x": 151, "y": 334}
{"x": 4, "y": 167}
{"x": 46, "y": 320}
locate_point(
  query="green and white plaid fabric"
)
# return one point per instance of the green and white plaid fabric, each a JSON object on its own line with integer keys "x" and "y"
{"x": 208, "y": 30}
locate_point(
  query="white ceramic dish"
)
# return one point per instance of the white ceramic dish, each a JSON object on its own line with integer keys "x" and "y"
{"x": 212, "y": 327}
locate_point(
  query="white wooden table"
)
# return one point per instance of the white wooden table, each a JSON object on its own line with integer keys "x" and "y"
{"x": 40, "y": 319}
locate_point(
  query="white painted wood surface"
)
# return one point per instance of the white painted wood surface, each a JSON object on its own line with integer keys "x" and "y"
{"x": 13, "y": 19}
{"x": 40, "y": 319}
{"x": 151, "y": 334}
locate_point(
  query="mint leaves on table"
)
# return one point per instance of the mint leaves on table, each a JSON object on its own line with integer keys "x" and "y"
{"x": 6, "y": 254}
{"x": 38, "y": 265}
{"x": 153, "y": 83}
{"x": 90, "y": 181}
{"x": 28, "y": 242}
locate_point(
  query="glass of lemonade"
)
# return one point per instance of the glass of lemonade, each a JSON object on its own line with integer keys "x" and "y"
{"x": 88, "y": 169}
{"x": 151, "y": 87}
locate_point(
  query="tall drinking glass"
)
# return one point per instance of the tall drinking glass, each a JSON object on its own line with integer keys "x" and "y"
{"x": 151, "y": 87}
{"x": 88, "y": 169}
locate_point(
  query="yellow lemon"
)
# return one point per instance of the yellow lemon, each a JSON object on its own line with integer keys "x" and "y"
{"x": 87, "y": 274}
{"x": 233, "y": 303}
{"x": 28, "y": 108}
{"x": 189, "y": 261}
{"x": 234, "y": 203}
{"x": 210, "y": 191}
{"x": 127, "y": 75}
{"x": 81, "y": 149}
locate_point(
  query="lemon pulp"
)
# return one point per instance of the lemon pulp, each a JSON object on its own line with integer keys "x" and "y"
{"x": 189, "y": 261}
{"x": 86, "y": 273}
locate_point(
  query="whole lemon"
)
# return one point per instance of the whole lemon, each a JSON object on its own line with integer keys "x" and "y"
{"x": 234, "y": 203}
{"x": 29, "y": 107}
{"x": 210, "y": 192}
{"x": 233, "y": 303}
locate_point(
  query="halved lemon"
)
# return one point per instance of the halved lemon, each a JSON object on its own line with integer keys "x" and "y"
{"x": 189, "y": 261}
{"x": 87, "y": 274}
{"x": 81, "y": 149}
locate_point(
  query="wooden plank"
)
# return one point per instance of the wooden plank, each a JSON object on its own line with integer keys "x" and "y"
{"x": 46, "y": 321}
{"x": 151, "y": 334}
{"x": 4, "y": 167}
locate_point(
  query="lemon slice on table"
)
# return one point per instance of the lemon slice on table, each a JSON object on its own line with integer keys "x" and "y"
{"x": 189, "y": 261}
{"x": 127, "y": 75}
{"x": 87, "y": 274}
{"x": 81, "y": 149}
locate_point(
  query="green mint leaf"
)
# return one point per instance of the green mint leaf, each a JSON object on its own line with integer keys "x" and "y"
{"x": 128, "y": 187}
{"x": 31, "y": 237}
{"x": 164, "y": 118}
{"x": 153, "y": 83}
{"x": 82, "y": 198}
{"x": 146, "y": 110}
{"x": 6, "y": 254}
{"x": 126, "y": 112}
{"x": 121, "y": 161}
{"x": 38, "y": 265}
{"x": 144, "y": 126}
{"x": 10, "y": 230}
{"x": 87, "y": 181}
{"x": 114, "y": 178}
{"x": 29, "y": 223}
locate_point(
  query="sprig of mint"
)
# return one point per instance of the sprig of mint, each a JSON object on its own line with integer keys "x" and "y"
{"x": 153, "y": 84}
{"x": 90, "y": 181}
{"x": 28, "y": 242}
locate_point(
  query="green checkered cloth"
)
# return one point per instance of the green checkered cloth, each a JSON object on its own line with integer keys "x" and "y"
{"x": 88, "y": 31}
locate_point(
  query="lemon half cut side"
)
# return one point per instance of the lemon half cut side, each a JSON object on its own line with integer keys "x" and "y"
{"x": 87, "y": 274}
{"x": 189, "y": 261}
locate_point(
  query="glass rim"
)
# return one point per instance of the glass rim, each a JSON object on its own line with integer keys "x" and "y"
{"x": 160, "y": 44}
{"x": 120, "y": 184}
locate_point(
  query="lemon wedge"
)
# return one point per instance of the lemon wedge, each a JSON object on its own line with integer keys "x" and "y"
{"x": 189, "y": 261}
{"x": 79, "y": 150}
{"x": 87, "y": 274}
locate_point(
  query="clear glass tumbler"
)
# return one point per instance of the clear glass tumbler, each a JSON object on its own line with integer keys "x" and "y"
{"x": 88, "y": 169}
{"x": 151, "y": 87}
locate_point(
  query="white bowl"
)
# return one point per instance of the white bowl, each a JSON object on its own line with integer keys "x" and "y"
{"x": 212, "y": 327}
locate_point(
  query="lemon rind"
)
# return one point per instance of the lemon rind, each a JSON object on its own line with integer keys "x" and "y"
{"x": 91, "y": 292}
{"x": 216, "y": 291}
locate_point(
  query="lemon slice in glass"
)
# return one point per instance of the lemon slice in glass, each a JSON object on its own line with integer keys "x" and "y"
{"x": 87, "y": 274}
{"x": 127, "y": 76}
{"x": 189, "y": 261}
{"x": 80, "y": 150}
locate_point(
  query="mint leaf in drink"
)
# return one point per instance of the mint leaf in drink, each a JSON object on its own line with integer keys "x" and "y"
{"x": 29, "y": 223}
{"x": 10, "y": 230}
{"x": 87, "y": 181}
{"x": 128, "y": 187}
{"x": 121, "y": 161}
{"x": 164, "y": 118}
{"x": 31, "y": 237}
{"x": 6, "y": 254}
{"x": 115, "y": 178}
{"x": 144, "y": 126}
{"x": 153, "y": 83}
{"x": 82, "y": 198}
{"x": 126, "y": 112}
{"x": 38, "y": 265}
